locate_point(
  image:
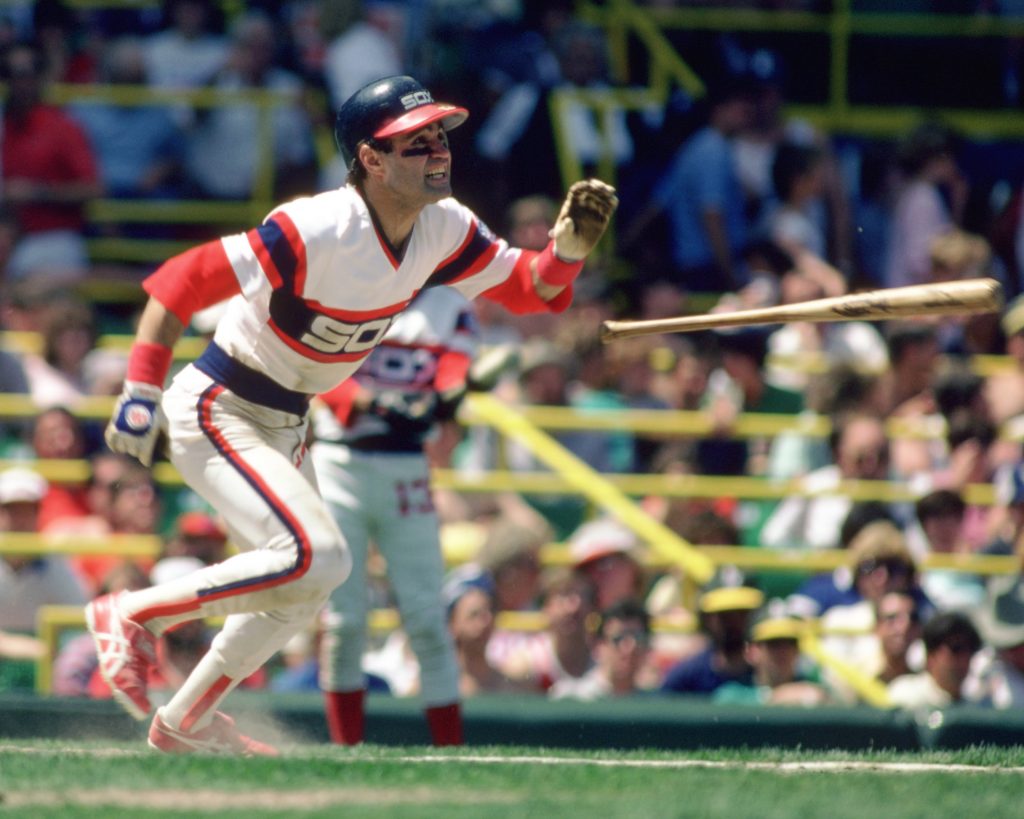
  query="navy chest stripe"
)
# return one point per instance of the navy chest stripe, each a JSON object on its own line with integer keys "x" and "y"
{"x": 280, "y": 250}
{"x": 470, "y": 254}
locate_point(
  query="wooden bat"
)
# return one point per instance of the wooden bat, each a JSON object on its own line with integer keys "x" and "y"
{"x": 938, "y": 299}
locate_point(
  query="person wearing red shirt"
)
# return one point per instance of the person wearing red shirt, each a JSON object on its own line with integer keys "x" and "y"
{"x": 49, "y": 173}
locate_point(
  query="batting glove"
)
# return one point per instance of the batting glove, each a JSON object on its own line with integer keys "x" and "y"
{"x": 585, "y": 214}
{"x": 136, "y": 422}
{"x": 405, "y": 412}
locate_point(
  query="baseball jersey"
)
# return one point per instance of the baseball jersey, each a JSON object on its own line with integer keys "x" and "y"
{"x": 321, "y": 286}
{"x": 437, "y": 328}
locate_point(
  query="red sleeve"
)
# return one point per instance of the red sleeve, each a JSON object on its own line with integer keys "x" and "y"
{"x": 190, "y": 281}
{"x": 340, "y": 399}
{"x": 517, "y": 294}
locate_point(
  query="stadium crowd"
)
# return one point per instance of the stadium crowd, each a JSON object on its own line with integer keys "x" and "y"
{"x": 726, "y": 203}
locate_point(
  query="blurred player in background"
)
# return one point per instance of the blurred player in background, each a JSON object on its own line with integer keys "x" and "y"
{"x": 375, "y": 478}
{"x": 313, "y": 290}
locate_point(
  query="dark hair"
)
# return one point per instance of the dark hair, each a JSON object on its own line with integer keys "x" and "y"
{"x": 947, "y": 625}
{"x": 900, "y": 336}
{"x": 925, "y": 143}
{"x": 775, "y": 258}
{"x": 791, "y": 162}
{"x": 956, "y": 389}
{"x": 939, "y": 503}
{"x": 859, "y": 516}
{"x": 628, "y": 609}
{"x": 965, "y": 426}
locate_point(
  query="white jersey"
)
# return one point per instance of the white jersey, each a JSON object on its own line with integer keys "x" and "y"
{"x": 439, "y": 321}
{"x": 321, "y": 285}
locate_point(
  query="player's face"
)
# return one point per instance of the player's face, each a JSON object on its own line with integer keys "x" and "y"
{"x": 421, "y": 164}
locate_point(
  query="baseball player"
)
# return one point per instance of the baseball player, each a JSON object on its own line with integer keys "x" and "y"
{"x": 313, "y": 290}
{"x": 375, "y": 479}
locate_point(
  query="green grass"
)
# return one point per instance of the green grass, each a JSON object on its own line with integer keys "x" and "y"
{"x": 92, "y": 779}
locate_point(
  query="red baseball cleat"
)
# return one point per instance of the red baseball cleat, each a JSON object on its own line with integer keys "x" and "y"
{"x": 126, "y": 651}
{"x": 219, "y": 737}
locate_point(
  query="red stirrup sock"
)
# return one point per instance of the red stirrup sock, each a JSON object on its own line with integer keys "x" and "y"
{"x": 346, "y": 716}
{"x": 445, "y": 722}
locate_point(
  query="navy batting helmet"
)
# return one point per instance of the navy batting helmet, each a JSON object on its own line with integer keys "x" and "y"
{"x": 386, "y": 108}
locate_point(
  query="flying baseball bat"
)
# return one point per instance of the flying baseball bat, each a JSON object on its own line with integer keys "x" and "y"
{"x": 938, "y": 299}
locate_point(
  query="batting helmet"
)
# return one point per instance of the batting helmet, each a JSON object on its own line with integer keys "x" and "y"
{"x": 386, "y": 108}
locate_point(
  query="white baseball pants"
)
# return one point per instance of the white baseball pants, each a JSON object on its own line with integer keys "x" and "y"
{"x": 248, "y": 462}
{"x": 384, "y": 498}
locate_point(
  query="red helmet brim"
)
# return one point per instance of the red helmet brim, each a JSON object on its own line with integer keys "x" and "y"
{"x": 451, "y": 116}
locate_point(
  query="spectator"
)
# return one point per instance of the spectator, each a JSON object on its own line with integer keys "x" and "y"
{"x": 821, "y": 592}
{"x": 544, "y": 376}
{"x": 28, "y": 582}
{"x": 510, "y": 560}
{"x": 59, "y": 435}
{"x": 957, "y": 255}
{"x": 357, "y": 52}
{"x": 881, "y": 563}
{"x": 471, "y": 611}
{"x": 187, "y": 53}
{"x": 621, "y": 642}
{"x": 57, "y": 376}
{"x": 940, "y": 516}
{"x": 898, "y": 629}
{"x": 1008, "y": 537}
{"x": 860, "y": 451}
{"x": 567, "y": 601}
{"x": 125, "y": 499}
{"x": 798, "y": 178}
{"x": 49, "y": 174}
{"x": 725, "y": 612}
{"x": 224, "y": 153}
{"x": 517, "y": 139}
{"x": 773, "y": 652}
{"x": 702, "y": 197}
{"x": 140, "y": 148}
{"x": 950, "y": 643}
{"x": 930, "y": 202}
{"x": 740, "y": 387}
{"x": 1004, "y": 390}
{"x": 608, "y": 554}
{"x": 997, "y": 679}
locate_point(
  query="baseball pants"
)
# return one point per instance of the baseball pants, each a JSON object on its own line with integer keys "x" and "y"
{"x": 384, "y": 498}
{"x": 248, "y": 462}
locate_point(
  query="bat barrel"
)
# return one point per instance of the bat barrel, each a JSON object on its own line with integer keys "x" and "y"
{"x": 939, "y": 299}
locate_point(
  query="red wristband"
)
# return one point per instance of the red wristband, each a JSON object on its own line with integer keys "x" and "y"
{"x": 553, "y": 270}
{"x": 149, "y": 363}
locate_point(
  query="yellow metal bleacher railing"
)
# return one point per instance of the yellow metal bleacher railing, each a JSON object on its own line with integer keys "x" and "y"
{"x": 227, "y": 214}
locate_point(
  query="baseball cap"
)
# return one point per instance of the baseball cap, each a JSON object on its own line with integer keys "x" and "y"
{"x": 776, "y": 628}
{"x": 199, "y": 524}
{"x": 731, "y": 598}
{"x": 600, "y": 538}
{"x": 19, "y": 485}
